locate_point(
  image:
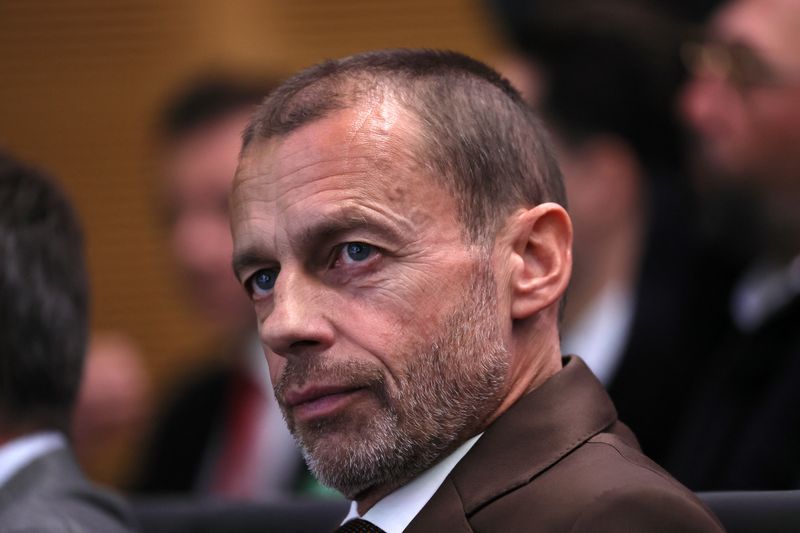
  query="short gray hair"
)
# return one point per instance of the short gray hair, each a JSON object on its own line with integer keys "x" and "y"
{"x": 475, "y": 130}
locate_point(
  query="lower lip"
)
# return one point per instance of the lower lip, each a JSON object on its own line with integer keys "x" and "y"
{"x": 326, "y": 405}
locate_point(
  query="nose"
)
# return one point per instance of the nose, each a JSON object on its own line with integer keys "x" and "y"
{"x": 202, "y": 244}
{"x": 298, "y": 323}
{"x": 701, "y": 101}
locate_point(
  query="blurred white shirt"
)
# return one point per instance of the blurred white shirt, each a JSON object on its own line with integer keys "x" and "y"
{"x": 20, "y": 452}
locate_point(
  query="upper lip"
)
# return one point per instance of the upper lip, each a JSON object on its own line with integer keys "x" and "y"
{"x": 294, "y": 397}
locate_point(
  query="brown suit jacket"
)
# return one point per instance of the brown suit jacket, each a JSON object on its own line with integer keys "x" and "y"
{"x": 559, "y": 460}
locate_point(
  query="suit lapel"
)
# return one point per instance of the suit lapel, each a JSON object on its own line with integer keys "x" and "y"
{"x": 444, "y": 512}
{"x": 535, "y": 433}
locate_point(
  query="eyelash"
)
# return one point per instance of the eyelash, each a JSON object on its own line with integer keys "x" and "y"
{"x": 249, "y": 283}
{"x": 336, "y": 259}
{"x": 340, "y": 250}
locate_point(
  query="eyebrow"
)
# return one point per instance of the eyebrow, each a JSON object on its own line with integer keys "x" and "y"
{"x": 328, "y": 228}
{"x": 250, "y": 257}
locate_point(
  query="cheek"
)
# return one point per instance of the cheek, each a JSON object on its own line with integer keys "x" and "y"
{"x": 717, "y": 113}
{"x": 203, "y": 241}
{"x": 392, "y": 325}
{"x": 774, "y": 120}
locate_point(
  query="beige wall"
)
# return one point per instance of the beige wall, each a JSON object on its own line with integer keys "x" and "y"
{"x": 80, "y": 81}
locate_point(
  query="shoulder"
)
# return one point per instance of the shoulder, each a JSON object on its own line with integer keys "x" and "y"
{"x": 625, "y": 489}
{"x": 602, "y": 485}
{"x": 644, "y": 508}
{"x": 52, "y": 495}
{"x": 63, "y": 517}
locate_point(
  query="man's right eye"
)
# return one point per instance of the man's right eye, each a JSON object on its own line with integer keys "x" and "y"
{"x": 260, "y": 284}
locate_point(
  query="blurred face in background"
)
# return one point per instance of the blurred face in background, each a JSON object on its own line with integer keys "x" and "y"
{"x": 198, "y": 170}
{"x": 744, "y": 98}
{"x": 605, "y": 189}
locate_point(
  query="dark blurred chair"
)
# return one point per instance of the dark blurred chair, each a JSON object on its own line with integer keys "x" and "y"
{"x": 184, "y": 515}
{"x": 756, "y": 511}
{"x": 739, "y": 512}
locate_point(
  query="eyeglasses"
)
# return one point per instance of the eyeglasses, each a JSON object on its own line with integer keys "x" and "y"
{"x": 735, "y": 63}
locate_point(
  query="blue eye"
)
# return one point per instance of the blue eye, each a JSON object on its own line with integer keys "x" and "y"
{"x": 262, "y": 282}
{"x": 358, "y": 251}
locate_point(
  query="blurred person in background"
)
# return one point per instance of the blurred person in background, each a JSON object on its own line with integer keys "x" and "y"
{"x": 744, "y": 104}
{"x": 112, "y": 409}
{"x": 646, "y": 302}
{"x": 221, "y": 433}
{"x": 43, "y": 330}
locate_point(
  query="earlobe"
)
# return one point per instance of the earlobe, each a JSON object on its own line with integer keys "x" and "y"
{"x": 542, "y": 251}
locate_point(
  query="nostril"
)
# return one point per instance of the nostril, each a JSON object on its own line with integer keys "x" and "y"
{"x": 304, "y": 344}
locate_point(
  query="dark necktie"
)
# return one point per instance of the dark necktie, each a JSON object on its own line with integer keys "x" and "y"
{"x": 358, "y": 526}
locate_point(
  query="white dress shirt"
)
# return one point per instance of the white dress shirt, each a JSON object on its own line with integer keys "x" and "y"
{"x": 764, "y": 291}
{"x": 394, "y": 512}
{"x": 20, "y": 452}
{"x": 600, "y": 334}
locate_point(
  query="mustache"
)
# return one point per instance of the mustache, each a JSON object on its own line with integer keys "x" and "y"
{"x": 302, "y": 370}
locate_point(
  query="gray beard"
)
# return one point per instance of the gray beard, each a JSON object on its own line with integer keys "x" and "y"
{"x": 448, "y": 390}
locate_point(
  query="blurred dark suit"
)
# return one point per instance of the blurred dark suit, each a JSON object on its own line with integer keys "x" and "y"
{"x": 680, "y": 317}
{"x": 744, "y": 431}
{"x": 188, "y": 442}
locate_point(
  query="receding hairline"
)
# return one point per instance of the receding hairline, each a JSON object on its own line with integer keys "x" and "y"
{"x": 403, "y": 136}
{"x": 476, "y": 132}
{"x": 384, "y": 100}
{"x": 348, "y": 80}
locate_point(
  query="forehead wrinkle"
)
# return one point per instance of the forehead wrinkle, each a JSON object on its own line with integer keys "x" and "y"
{"x": 321, "y": 184}
{"x": 771, "y": 26}
{"x": 251, "y": 248}
{"x": 378, "y": 136}
{"x": 341, "y": 221}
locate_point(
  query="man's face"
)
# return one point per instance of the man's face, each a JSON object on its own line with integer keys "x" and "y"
{"x": 198, "y": 171}
{"x": 744, "y": 101}
{"x": 379, "y": 323}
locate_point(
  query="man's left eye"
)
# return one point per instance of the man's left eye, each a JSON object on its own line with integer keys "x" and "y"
{"x": 355, "y": 252}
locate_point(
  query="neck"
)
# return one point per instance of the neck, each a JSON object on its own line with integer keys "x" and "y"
{"x": 11, "y": 429}
{"x": 7, "y": 435}
{"x": 537, "y": 361}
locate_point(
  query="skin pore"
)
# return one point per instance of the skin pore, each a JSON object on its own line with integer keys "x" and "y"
{"x": 390, "y": 338}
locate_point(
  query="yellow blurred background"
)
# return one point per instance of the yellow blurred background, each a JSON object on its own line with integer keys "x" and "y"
{"x": 81, "y": 82}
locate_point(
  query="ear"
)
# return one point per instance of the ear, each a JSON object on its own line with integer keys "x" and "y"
{"x": 541, "y": 258}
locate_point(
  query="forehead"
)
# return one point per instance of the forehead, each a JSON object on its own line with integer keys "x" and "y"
{"x": 770, "y": 26}
{"x": 205, "y": 158}
{"x": 361, "y": 158}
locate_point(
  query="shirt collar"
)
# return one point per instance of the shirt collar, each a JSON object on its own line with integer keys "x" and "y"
{"x": 18, "y": 453}
{"x": 764, "y": 291}
{"x": 394, "y": 512}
